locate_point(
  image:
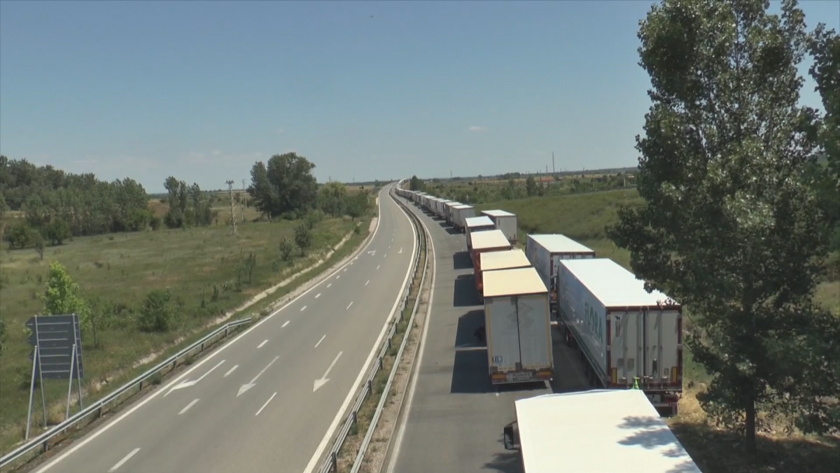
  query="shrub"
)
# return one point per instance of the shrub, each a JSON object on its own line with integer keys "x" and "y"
{"x": 157, "y": 314}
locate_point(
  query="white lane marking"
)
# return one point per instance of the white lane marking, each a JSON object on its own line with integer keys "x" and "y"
{"x": 400, "y": 252}
{"x": 349, "y": 398}
{"x": 345, "y": 270}
{"x": 125, "y": 459}
{"x": 338, "y": 277}
{"x": 303, "y": 308}
{"x": 348, "y": 306}
{"x": 187, "y": 384}
{"x": 230, "y": 371}
{"x": 246, "y": 387}
{"x": 286, "y": 323}
{"x": 321, "y": 340}
{"x": 188, "y": 406}
{"x": 263, "y": 343}
{"x": 386, "y": 255}
{"x": 377, "y": 266}
{"x": 324, "y": 379}
{"x": 266, "y": 403}
{"x": 328, "y": 285}
{"x": 318, "y": 295}
{"x": 209, "y": 357}
{"x": 368, "y": 281}
{"x": 409, "y": 395}
{"x": 389, "y": 247}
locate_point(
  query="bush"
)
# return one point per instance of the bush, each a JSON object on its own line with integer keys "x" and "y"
{"x": 155, "y": 222}
{"x": 57, "y": 232}
{"x": 286, "y": 248}
{"x": 303, "y": 238}
{"x": 313, "y": 218}
{"x": 157, "y": 314}
{"x": 20, "y": 236}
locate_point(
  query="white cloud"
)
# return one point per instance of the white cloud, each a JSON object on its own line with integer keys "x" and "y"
{"x": 477, "y": 128}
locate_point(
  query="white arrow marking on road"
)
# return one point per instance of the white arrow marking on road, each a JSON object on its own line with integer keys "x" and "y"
{"x": 187, "y": 384}
{"x": 263, "y": 343}
{"x": 324, "y": 379}
{"x": 246, "y": 387}
{"x": 188, "y": 406}
{"x": 125, "y": 459}
{"x": 266, "y": 403}
{"x": 318, "y": 295}
{"x": 286, "y": 323}
{"x": 372, "y": 252}
{"x": 230, "y": 371}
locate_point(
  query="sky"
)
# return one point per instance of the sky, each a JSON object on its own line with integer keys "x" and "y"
{"x": 364, "y": 90}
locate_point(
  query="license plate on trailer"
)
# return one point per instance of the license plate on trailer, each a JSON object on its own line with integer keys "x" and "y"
{"x": 520, "y": 376}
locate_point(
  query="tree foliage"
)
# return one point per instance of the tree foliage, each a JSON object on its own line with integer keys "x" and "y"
{"x": 188, "y": 205}
{"x": 416, "y": 184}
{"x": 285, "y": 188}
{"x": 85, "y": 204}
{"x": 158, "y": 313}
{"x": 62, "y": 294}
{"x": 730, "y": 225}
{"x": 332, "y": 198}
{"x": 303, "y": 237}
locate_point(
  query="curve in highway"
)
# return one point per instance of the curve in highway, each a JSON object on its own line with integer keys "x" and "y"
{"x": 270, "y": 399}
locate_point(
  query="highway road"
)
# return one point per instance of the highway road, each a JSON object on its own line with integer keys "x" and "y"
{"x": 269, "y": 399}
{"x": 454, "y": 417}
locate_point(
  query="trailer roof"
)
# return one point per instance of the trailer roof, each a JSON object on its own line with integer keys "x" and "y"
{"x": 494, "y": 260}
{"x": 613, "y": 285}
{"x": 481, "y": 221}
{"x": 453, "y": 204}
{"x": 512, "y": 282}
{"x": 557, "y": 243}
{"x": 489, "y": 239}
{"x": 463, "y": 206}
{"x": 498, "y": 213}
{"x": 598, "y": 431}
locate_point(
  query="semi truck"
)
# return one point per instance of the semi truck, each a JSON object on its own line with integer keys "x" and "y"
{"x": 448, "y": 211}
{"x": 475, "y": 225}
{"x": 626, "y": 336}
{"x": 545, "y": 251}
{"x": 493, "y": 240}
{"x": 517, "y": 326}
{"x": 498, "y": 260}
{"x": 597, "y": 431}
{"x": 506, "y": 222}
{"x": 461, "y": 213}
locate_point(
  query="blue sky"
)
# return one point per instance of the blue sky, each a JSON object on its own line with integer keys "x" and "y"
{"x": 364, "y": 90}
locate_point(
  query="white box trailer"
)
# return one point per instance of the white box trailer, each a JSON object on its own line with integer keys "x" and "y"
{"x": 498, "y": 260}
{"x": 506, "y": 222}
{"x": 475, "y": 225}
{"x": 450, "y": 206}
{"x": 460, "y": 214}
{"x": 545, "y": 251}
{"x": 441, "y": 208}
{"x": 517, "y": 326}
{"x": 623, "y": 332}
{"x": 597, "y": 431}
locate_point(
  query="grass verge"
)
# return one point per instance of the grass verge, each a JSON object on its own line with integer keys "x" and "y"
{"x": 347, "y": 454}
{"x": 96, "y": 388}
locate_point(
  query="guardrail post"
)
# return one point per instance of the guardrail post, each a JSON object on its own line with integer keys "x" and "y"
{"x": 202, "y": 346}
{"x": 333, "y": 462}
{"x": 141, "y": 385}
{"x": 355, "y": 418}
{"x": 370, "y": 388}
{"x": 380, "y": 359}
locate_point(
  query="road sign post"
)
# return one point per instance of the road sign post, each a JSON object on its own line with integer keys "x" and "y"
{"x": 31, "y": 394}
{"x": 56, "y": 354}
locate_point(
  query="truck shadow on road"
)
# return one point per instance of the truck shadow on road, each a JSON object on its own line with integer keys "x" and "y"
{"x": 461, "y": 260}
{"x": 465, "y": 294}
{"x": 505, "y": 462}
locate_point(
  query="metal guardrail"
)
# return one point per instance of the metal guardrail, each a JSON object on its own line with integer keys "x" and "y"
{"x": 331, "y": 462}
{"x": 97, "y": 407}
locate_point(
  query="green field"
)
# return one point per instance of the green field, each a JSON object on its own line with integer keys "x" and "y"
{"x": 121, "y": 269}
{"x": 583, "y": 217}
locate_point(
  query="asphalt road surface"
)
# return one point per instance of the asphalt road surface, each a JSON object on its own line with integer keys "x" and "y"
{"x": 267, "y": 400}
{"x": 455, "y": 416}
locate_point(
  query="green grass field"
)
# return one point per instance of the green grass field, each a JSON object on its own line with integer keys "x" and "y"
{"x": 583, "y": 218}
{"x": 121, "y": 269}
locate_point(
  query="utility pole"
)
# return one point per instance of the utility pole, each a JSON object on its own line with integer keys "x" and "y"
{"x": 232, "y": 212}
{"x": 242, "y": 202}
{"x": 553, "y": 169}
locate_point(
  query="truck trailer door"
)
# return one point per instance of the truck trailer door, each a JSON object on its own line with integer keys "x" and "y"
{"x": 503, "y": 334}
{"x": 627, "y": 342}
{"x": 534, "y": 332}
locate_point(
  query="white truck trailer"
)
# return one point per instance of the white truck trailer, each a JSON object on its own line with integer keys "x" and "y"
{"x": 450, "y": 206}
{"x": 506, "y": 222}
{"x": 517, "y": 326}
{"x": 475, "y": 225}
{"x": 496, "y": 261}
{"x": 462, "y": 213}
{"x": 625, "y": 334}
{"x": 545, "y": 251}
{"x": 598, "y": 431}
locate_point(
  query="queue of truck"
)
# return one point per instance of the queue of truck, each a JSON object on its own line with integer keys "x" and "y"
{"x": 628, "y": 338}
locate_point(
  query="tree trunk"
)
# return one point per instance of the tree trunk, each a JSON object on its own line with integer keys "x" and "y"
{"x": 750, "y": 427}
